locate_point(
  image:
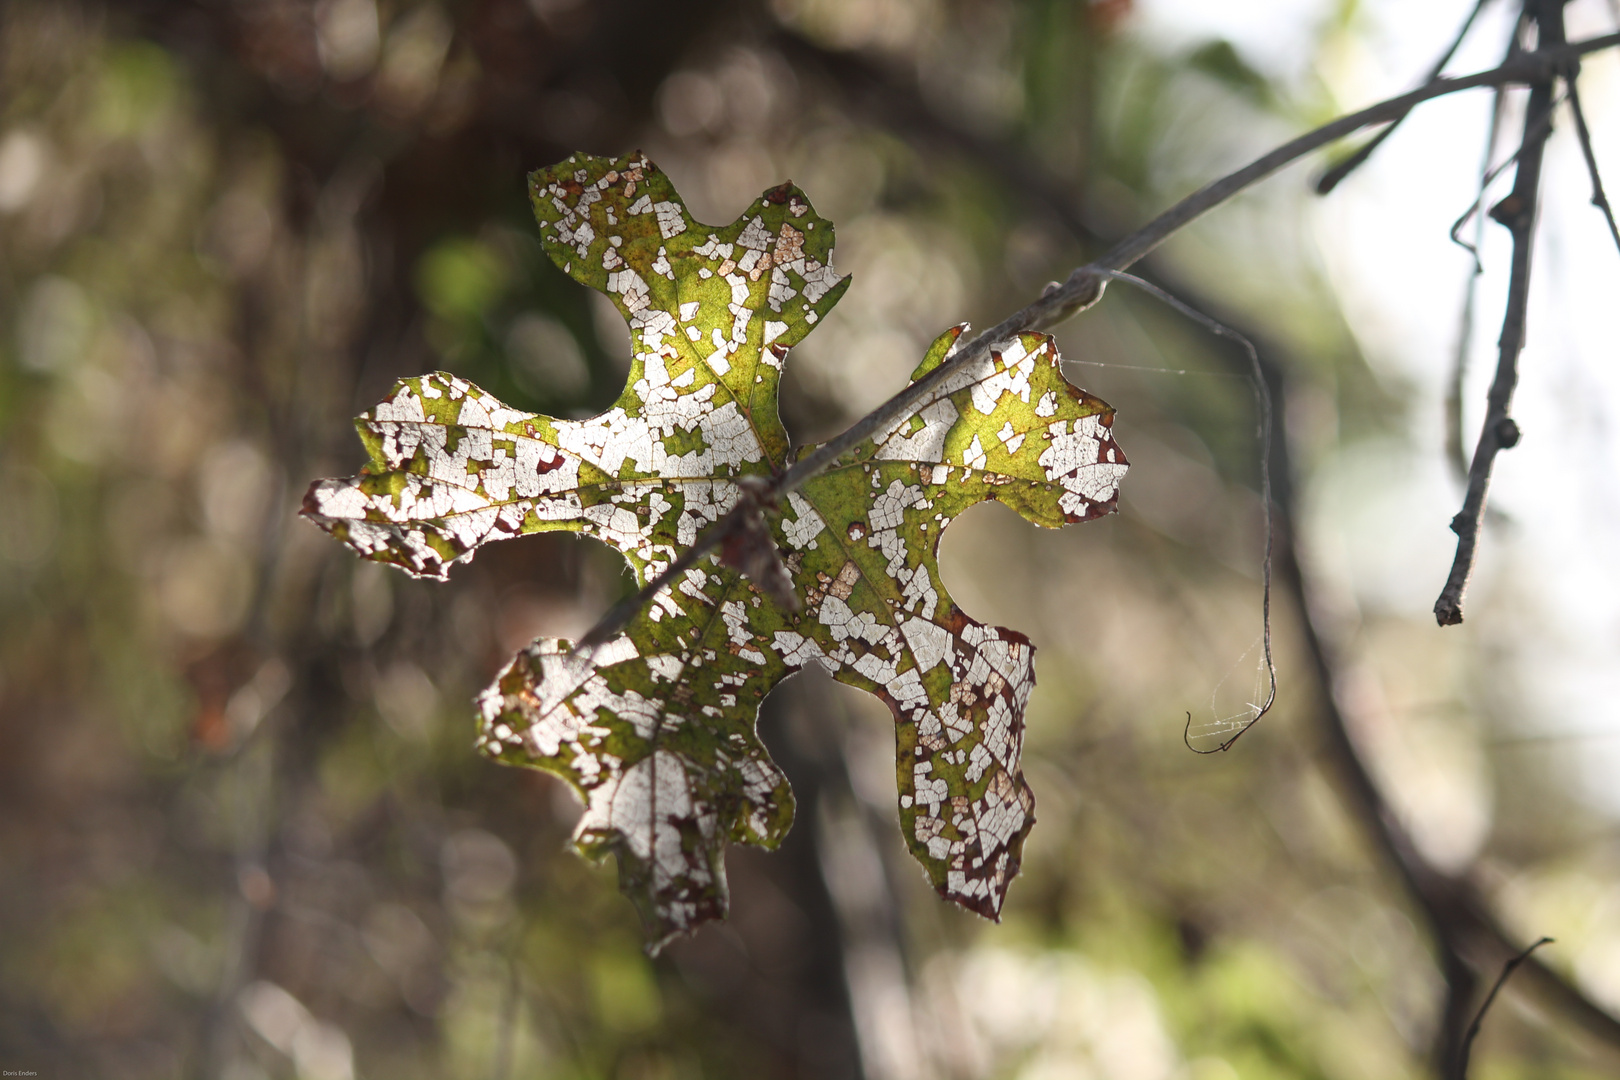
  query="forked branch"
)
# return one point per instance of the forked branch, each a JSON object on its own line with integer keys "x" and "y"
{"x": 1518, "y": 211}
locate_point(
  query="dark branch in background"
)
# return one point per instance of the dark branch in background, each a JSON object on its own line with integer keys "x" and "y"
{"x": 1330, "y": 179}
{"x": 897, "y": 105}
{"x": 1466, "y": 934}
{"x": 1599, "y": 199}
{"x": 1457, "y": 916}
{"x": 1485, "y": 1006}
{"x": 1518, "y": 211}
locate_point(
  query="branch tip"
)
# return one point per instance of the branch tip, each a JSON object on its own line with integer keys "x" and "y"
{"x": 1517, "y": 211}
{"x": 1467, "y": 1046}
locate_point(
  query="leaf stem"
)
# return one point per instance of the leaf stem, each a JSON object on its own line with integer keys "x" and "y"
{"x": 619, "y": 615}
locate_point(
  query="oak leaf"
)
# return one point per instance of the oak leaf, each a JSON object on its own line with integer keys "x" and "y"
{"x": 656, "y": 729}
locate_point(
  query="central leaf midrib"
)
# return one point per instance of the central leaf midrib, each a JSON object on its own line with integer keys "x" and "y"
{"x": 655, "y": 740}
{"x": 687, "y": 345}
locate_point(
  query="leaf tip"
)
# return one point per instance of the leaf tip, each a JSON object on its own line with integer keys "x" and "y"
{"x": 941, "y": 349}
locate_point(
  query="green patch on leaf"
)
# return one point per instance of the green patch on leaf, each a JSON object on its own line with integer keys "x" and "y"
{"x": 656, "y": 729}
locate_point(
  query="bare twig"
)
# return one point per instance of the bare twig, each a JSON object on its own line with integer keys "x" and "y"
{"x": 1456, "y": 447}
{"x": 1599, "y": 199}
{"x": 1542, "y": 128}
{"x": 1490, "y": 998}
{"x": 1262, "y": 401}
{"x": 1518, "y": 212}
{"x": 1456, "y": 452}
{"x": 1330, "y": 179}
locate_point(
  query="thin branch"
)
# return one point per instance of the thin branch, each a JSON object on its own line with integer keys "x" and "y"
{"x": 1490, "y": 998}
{"x": 1330, "y": 179}
{"x": 1599, "y": 199}
{"x": 1518, "y": 212}
{"x": 1262, "y": 400}
{"x": 1542, "y": 128}
{"x": 1528, "y": 67}
{"x": 1456, "y": 448}
{"x": 619, "y": 615}
{"x": 1456, "y": 452}
{"x": 1084, "y": 285}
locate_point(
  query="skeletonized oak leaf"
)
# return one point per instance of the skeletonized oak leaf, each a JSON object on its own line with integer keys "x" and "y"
{"x": 656, "y": 729}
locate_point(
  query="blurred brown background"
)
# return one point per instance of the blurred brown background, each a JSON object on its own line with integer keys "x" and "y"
{"x": 243, "y": 833}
